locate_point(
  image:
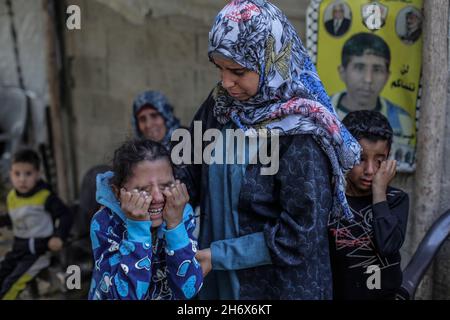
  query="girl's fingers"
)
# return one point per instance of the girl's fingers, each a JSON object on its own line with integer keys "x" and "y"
{"x": 140, "y": 202}
{"x": 175, "y": 191}
{"x": 147, "y": 202}
{"x": 182, "y": 191}
{"x": 134, "y": 198}
{"x": 125, "y": 196}
{"x": 122, "y": 196}
{"x": 185, "y": 192}
{"x": 167, "y": 192}
{"x": 146, "y": 198}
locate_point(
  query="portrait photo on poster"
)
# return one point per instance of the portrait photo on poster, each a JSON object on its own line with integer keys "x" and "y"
{"x": 365, "y": 67}
{"x": 337, "y": 18}
{"x": 408, "y": 25}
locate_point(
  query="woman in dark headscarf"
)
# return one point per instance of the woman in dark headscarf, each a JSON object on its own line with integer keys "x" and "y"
{"x": 265, "y": 236}
{"x": 153, "y": 117}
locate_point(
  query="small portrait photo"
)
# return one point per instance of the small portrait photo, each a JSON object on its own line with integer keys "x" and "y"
{"x": 338, "y": 18}
{"x": 408, "y": 25}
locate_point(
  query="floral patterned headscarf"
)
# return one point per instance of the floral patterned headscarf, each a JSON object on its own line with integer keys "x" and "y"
{"x": 290, "y": 97}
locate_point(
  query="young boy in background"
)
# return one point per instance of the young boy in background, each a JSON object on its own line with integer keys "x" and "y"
{"x": 32, "y": 212}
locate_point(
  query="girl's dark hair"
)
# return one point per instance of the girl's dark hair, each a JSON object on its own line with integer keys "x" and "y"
{"x": 131, "y": 153}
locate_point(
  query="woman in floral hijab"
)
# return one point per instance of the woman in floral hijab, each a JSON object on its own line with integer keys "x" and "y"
{"x": 265, "y": 237}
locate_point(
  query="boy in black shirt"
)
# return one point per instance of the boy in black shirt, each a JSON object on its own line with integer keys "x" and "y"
{"x": 365, "y": 252}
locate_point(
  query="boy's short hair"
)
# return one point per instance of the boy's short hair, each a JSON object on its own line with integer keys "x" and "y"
{"x": 369, "y": 124}
{"x": 365, "y": 43}
{"x": 27, "y": 156}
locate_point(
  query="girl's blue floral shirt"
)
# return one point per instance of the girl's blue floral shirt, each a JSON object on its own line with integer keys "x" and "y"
{"x": 130, "y": 265}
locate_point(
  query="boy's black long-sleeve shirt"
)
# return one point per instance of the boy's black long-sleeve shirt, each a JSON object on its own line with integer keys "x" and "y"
{"x": 59, "y": 211}
{"x": 373, "y": 238}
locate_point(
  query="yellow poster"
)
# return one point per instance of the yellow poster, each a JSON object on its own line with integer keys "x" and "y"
{"x": 369, "y": 56}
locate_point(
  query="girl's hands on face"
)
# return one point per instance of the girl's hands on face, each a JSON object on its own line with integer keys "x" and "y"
{"x": 177, "y": 197}
{"x": 135, "y": 204}
{"x": 384, "y": 175}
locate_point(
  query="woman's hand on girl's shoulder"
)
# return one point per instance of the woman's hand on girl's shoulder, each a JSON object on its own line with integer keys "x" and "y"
{"x": 204, "y": 257}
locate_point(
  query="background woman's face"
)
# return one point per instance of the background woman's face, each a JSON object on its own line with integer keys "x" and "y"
{"x": 151, "y": 124}
{"x": 240, "y": 83}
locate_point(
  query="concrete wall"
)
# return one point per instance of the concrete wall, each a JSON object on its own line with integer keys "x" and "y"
{"x": 124, "y": 48}
{"x": 27, "y": 18}
{"x": 29, "y": 24}
{"x": 8, "y": 75}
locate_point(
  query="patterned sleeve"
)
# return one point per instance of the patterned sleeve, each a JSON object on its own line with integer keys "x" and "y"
{"x": 185, "y": 274}
{"x": 122, "y": 264}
